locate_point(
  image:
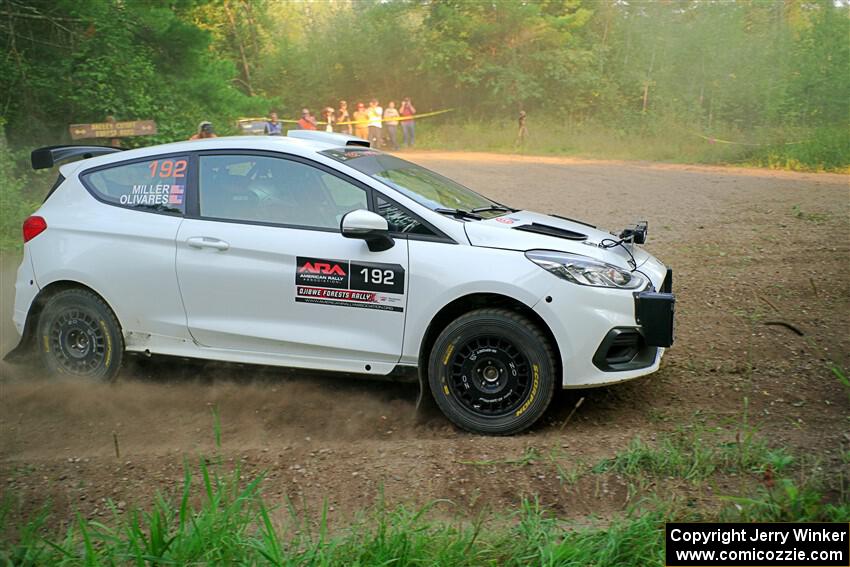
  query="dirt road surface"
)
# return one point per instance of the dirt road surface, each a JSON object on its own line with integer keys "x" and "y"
{"x": 750, "y": 248}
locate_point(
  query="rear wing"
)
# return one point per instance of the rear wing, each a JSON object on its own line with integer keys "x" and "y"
{"x": 44, "y": 158}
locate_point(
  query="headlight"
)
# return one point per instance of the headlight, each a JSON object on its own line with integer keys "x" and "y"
{"x": 585, "y": 271}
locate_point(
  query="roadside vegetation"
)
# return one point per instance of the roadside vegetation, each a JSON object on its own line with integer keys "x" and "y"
{"x": 220, "y": 516}
{"x": 232, "y": 523}
{"x": 825, "y": 151}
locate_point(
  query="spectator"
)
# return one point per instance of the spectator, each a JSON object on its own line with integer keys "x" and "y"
{"x": 307, "y": 121}
{"x": 343, "y": 116}
{"x": 273, "y": 126}
{"x": 408, "y": 125}
{"x": 328, "y": 115}
{"x": 391, "y": 120}
{"x": 205, "y": 130}
{"x": 361, "y": 122}
{"x": 522, "y": 133}
{"x": 376, "y": 114}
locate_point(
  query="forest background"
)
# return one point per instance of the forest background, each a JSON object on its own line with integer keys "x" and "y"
{"x": 764, "y": 83}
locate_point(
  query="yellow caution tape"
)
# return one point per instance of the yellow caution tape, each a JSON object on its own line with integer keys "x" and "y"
{"x": 719, "y": 141}
{"x": 361, "y": 122}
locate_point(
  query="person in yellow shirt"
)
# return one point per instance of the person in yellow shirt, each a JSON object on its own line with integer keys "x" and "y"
{"x": 361, "y": 121}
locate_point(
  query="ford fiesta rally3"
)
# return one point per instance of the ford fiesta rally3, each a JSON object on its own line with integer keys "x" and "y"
{"x": 315, "y": 251}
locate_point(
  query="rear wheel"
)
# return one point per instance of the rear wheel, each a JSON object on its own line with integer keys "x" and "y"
{"x": 80, "y": 336}
{"x": 492, "y": 371}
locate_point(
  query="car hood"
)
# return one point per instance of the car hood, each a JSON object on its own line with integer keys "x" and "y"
{"x": 527, "y": 230}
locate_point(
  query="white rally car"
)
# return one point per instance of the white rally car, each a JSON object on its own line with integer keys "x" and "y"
{"x": 316, "y": 251}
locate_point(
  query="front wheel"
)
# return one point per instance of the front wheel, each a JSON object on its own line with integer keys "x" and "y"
{"x": 492, "y": 371}
{"x": 80, "y": 336}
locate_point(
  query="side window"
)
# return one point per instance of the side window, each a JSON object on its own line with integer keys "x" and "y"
{"x": 399, "y": 219}
{"x": 274, "y": 190}
{"x": 157, "y": 185}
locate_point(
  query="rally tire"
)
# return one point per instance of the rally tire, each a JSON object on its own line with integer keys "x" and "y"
{"x": 79, "y": 336}
{"x": 492, "y": 371}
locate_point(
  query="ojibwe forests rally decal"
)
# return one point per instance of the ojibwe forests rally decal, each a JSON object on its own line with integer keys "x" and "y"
{"x": 343, "y": 283}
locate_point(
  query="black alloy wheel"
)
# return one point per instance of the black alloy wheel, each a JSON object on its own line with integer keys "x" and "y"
{"x": 492, "y": 371}
{"x": 80, "y": 336}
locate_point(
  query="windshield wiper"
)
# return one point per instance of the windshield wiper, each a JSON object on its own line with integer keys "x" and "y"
{"x": 459, "y": 213}
{"x": 494, "y": 208}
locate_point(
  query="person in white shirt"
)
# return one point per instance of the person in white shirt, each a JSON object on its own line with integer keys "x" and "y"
{"x": 391, "y": 120}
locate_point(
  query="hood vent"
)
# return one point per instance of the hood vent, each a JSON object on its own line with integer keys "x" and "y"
{"x": 551, "y": 231}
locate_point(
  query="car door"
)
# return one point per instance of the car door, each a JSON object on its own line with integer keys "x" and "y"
{"x": 263, "y": 268}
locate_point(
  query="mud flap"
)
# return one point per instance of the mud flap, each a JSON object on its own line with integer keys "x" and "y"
{"x": 426, "y": 407}
{"x": 23, "y": 353}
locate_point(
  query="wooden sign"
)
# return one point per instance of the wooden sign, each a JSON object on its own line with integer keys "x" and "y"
{"x": 113, "y": 129}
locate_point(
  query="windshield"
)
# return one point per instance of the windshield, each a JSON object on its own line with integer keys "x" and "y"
{"x": 422, "y": 185}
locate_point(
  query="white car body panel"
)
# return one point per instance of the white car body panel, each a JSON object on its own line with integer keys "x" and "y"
{"x": 442, "y": 273}
{"x": 242, "y": 298}
{"x": 237, "y": 302}
{"x": 501, "y": 232}
{"x": 26, "y": 289}
{"x": 126, "y": 256}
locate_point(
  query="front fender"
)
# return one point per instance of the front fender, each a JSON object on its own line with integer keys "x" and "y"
{"x": 441, "y": 274}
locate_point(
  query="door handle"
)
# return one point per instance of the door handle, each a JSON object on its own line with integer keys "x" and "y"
{"x": 207, "y": 242}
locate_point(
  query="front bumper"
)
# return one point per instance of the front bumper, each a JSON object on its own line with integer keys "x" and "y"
{"x": 607, "y": 336}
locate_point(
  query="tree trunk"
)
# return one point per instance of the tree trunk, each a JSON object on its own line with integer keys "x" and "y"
{"x": 246, "y": 70}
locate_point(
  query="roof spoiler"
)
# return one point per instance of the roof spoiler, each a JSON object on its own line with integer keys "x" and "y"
{"x": 328, "y": 137}
{"x": 44, "y": 158}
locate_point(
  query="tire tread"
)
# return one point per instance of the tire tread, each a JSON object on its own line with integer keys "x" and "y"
{"x": 118, "y": 349}
{"x": 522, "y": 321}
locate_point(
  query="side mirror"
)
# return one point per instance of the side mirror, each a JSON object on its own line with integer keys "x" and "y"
{"x": 368, "y": 226}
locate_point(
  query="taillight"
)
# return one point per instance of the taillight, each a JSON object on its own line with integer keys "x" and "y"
{"x": 33, "y": 226}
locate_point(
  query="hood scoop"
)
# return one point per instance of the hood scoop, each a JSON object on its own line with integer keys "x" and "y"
{"x": 538, "y": 228}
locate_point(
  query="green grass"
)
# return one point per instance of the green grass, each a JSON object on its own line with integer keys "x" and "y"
{"x": 694, "y": 454}
{"x": 659, "y": 140}
{"x": 816, "y": 218}
{"x": 232, "y": 524}
{"x": 222, "y": 518}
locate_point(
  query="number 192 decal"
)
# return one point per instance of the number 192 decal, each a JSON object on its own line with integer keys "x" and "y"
{"x": 388, "y": 278}
{"x": 378, "y": 276}
{"x": 168, "y": 168}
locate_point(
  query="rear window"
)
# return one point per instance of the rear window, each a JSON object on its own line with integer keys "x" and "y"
{"x": 156, "y": 185}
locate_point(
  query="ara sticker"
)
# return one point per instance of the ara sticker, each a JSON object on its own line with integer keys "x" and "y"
{"x": 349, "y": 284}
{"x": 505, "y": 220}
